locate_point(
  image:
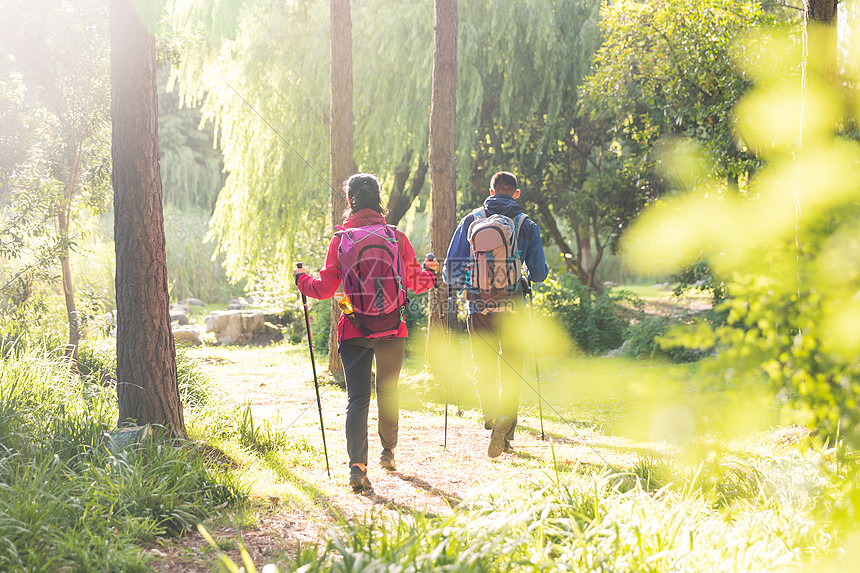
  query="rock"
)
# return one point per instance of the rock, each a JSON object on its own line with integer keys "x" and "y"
{"x": 121, "y": 438}
{"x": 622, "y": 350}
{"x": 178, "y": 316}
{"x": 237, "y": 304}
{"x": 187, "y": 334}
{"x": 189, "y": 302}
{"x": 241, "y": 327}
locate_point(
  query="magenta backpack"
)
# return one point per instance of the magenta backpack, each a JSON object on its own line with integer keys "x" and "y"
{"x": 373, "y": 277}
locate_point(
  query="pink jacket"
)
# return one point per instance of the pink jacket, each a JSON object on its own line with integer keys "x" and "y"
{"x": 329, "y": 282}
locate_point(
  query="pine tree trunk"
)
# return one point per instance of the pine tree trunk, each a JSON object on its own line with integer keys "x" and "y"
{"x": 147, "y": 389}
{"x": 442, "y": 168}
{"x": 342, "y": 163}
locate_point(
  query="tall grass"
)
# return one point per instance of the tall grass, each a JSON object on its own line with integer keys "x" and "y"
{"x": 70, "y": 502}
{"x": 574, "y": 524}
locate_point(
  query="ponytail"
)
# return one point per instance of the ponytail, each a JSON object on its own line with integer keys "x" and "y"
{"x": 362, "y": 192}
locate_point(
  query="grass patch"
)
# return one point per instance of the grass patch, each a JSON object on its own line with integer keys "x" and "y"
{"x": 71, "y": 502}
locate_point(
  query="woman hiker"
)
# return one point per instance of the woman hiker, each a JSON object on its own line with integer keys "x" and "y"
{"x": 376, "y": 264}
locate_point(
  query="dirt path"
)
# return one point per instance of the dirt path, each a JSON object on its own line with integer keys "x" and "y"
{"x": 278, "y": 385}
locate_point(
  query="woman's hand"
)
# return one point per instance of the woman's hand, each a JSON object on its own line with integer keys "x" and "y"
{"x": 431, "y": 264}
{"x": 297, "y": 272}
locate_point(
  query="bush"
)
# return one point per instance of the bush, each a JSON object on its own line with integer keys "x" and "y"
{"x": 646, "y": 338}
{"x": 97, "y": 368}
{"x": 594, "y": 320}
{"x": 641, "y": 337}
{"x": 416, "y": 311}
{"x": 320, "y": 316}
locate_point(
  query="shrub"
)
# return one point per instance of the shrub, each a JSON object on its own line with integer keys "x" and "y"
{"x": 416, "y": 311}
{"x": 647, "y": 338}
{"x": 320, "y": 316}
{"x": 594, "y": 320}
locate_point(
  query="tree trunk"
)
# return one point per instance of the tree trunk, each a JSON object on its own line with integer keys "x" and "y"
{"x": 443, "y": 114}
{"x": 823, "y": 51}
{"x": 401, "y": 199}
{"x": 548, "y": 220}
{"x": 342, "y": 163}
{"x": 68, "y": 291}
{"x": 586, "y": 260}
{"x": 147, "y": 389}
{"x": 63, "y": 224}
{"x": 822, "y": 11}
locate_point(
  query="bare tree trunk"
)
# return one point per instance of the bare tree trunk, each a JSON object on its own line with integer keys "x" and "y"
{"x": 548, "y": 220}
{"x": 400, "y": 199}
{"x": 147, "y": 390}
{"x": 342, "y": 163}
{"x": 823, "y": 51}
{"x": 822, "y": 11}
{"x": 68, "y": 291}
{"x": 443, "y": 115}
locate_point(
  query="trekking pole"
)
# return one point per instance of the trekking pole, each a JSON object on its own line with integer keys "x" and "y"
{"x": 527, "y": 285}
{"x": 432, "y": 257}
{"x": 316, "y": 382}
{"x": 452, "y": 315}
{"x": 445, "y": 444}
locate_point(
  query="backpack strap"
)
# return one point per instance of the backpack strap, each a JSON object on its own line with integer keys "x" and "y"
{"x": 518, "y": 224}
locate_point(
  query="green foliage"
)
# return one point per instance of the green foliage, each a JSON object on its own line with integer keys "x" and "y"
{"x": 416, "y": 311}
{"x": 71, "y": 502}
{"x": 789, "y": 247}
{"x": 595, "y": 321}
{"x": 517, "y": 111}
{"x": 320, "y": 315}
{"x": 788, "y": 335}
{"x": 699, "y": 276}
{"x": 641, "y": 337}
{"x": 667, "y": 68}
{"x": 274, "y": 201}
{"x": 646, "y": 338}
{"x": 194, "y": 270}
{"x": 56, "y": 88}
{"x": 191, "y": 167}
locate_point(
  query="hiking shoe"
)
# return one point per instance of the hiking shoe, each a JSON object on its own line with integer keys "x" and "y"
{"x": 358, "y": 480}
{"x": 497, "y": 438}
{"x": 488, "y": 424}
{"x": 386, "y": 460}
{"x": 509, "y": 448}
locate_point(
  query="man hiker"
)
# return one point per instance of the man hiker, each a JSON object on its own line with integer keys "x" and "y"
{"x": 485, "y": 259}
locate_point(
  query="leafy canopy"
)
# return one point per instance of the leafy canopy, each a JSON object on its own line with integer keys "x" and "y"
{"x": 792, "y": 251}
